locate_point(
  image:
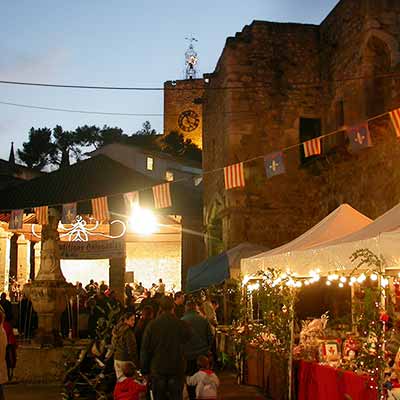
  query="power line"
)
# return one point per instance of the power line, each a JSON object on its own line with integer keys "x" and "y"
{"x": 256, "y": 86}
{"x": 79, "y": 111}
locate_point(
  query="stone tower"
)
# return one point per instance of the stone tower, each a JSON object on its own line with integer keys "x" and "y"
{"x": 183, "y": 111}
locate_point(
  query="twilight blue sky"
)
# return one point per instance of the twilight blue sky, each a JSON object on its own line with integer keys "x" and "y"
{"x": 115, "y": 43}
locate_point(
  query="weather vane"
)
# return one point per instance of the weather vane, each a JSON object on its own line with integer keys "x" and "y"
{"x": 191, "y": 59}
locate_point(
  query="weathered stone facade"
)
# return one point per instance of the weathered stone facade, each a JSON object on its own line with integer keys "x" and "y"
{"x": 183, "y": 108}
{"x": 284, "y": 77}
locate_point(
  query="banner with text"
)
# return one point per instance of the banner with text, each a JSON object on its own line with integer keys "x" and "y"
{"x": 92, "y": 250}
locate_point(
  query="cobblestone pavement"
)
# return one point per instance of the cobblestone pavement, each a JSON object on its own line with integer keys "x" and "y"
{"x": 229, "y": 390}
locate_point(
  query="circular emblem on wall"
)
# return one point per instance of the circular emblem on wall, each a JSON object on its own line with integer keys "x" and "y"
{"x": 188, "y": 120}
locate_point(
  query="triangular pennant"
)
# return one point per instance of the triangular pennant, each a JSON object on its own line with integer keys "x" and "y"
{"x": 100, "y": 209}
{"x": 162, "y": 196}
{"x": 312, "y": 147}
{"x": 42, "y": 215}
{"x": 359, "y": 137}
{"x": 274, "y": 164}
{"x": 68, "y": 213}
{"x": 234, "y": 176}
{"x": 16, "y": 219}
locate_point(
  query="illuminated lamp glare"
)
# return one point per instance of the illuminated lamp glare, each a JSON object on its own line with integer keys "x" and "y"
{"x": 143, "y": 221}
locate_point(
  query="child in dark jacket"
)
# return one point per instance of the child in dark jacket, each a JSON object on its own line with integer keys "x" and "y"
{"x": 127, "y": 388}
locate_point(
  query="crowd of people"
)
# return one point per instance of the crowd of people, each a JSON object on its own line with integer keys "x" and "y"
{"x": 163, "y": 343}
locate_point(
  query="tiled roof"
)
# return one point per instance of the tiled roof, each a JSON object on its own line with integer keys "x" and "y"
{"x": 91, "y": 178}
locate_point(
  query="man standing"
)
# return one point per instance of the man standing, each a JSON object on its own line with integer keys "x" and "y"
{"x": 200, "y": 342}
{"x": 179, "y": 304}
{"x": 162, "y": 355}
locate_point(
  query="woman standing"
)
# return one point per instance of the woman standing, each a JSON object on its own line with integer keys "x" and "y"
{"x": 124, "y": 344}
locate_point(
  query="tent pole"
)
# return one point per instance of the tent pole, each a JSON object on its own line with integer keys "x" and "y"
{"x": 225, "y": 303}
{"x": 290, "y": 359}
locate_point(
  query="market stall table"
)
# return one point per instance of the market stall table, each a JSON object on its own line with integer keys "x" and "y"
{"x": 321, "y": 382}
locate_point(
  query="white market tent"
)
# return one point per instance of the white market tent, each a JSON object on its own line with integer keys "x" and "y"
{"x": 306, "y": 252}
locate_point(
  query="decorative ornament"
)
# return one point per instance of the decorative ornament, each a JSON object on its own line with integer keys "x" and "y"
{"x": 79, "y": 232}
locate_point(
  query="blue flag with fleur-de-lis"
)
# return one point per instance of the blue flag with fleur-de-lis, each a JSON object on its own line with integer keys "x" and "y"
{"x": 68, "y": 213}
{"x": 274, "y": 164}
{"x": 359, "y": 137}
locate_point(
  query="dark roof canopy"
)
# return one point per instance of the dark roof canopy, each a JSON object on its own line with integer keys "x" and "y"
{"x": 91, "y": 178}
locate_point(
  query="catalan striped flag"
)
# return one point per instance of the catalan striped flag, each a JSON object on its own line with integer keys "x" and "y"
{"x": 16, "y": 219}
{"x": 162, "y": 196}
{"x": 131, "y": 200}
{"x": 395, "y": 117}
{"x": 312, "y": 147}
{"x": 100, "y": 209}
{"x": 234, "y": 176}
{"x": 42, "y": 215}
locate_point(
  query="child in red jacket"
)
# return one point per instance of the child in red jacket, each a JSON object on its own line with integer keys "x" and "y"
{"x": 127, "y": 388}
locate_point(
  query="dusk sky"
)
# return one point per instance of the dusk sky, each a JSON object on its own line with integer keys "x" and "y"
{"x": 115, "y": 43}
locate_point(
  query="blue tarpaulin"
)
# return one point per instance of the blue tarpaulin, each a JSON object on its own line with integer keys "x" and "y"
{"x": 215, "y": 270}
{"x": 212, "y": 271}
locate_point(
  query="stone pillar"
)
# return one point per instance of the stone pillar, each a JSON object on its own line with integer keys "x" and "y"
{"x": 23, "y": 259}
{"x": 4, "y": 259}
{"x": 38, "y": 251}
{"x": 193, "y": 246}
{"x": 117, "y": 270}
{"x": 49, "y": 292}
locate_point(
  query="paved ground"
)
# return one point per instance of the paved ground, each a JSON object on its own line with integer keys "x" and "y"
{"x": 229, "y": 390}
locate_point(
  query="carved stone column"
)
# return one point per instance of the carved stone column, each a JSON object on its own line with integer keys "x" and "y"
{"x": 23, "y": 259}
{"x": 49, "y": 292}
{"x": 4, "y": 259}
{"x": 117, "y": 270}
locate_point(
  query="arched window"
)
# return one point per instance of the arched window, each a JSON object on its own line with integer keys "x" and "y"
{"x": 377, "y": 62}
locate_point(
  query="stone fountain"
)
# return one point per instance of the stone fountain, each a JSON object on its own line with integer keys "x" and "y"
{"x": 49, "y": 292}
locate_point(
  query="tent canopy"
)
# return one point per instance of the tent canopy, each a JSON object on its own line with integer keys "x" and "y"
{"x": 217, "y": 269}
{"x": 340, "y": 223}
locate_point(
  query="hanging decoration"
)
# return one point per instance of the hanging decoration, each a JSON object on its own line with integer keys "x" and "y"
{"x": 100, "y": 209}
{"x": 68, "y": 213}
{"x": 395, "y": 118}
{"x": 359, "y": 137}
{"x": 234, "y": 176}
{"x": 312, "y": 147}
{"x": 80, "y": 232}
{"x": 162, "y": 195}
{"x": 42, "y": 215}
{"x": 274, "y": 164}
{"x": 16, "y": 219}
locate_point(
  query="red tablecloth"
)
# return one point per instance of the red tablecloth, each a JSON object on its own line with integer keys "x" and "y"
{"x": 320, "y": 382}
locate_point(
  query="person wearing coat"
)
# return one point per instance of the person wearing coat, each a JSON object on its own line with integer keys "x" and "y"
{"x": 124, "y": 344}
{"x": 3, "y": 365}
{"x": 200, "y": 342}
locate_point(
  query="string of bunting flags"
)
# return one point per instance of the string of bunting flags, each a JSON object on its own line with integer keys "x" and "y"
{"x": 359, "y": 138}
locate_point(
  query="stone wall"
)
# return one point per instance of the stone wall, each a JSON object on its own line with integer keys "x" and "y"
{"x": 180, "y": 97}
{"x": 279, "y": 74}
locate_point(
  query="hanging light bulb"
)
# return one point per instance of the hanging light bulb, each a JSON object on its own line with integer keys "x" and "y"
{"x": 374, "y": 277}
{"x": 384, "y": 282}
{"x": 361, "y": 278}
{"x": 341, "y": 284}
{"x": 299, "y": 284}
{"x": 353, "y": 279}
{"x": 343, "y": 279}
{"x": 328, "y": 283}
